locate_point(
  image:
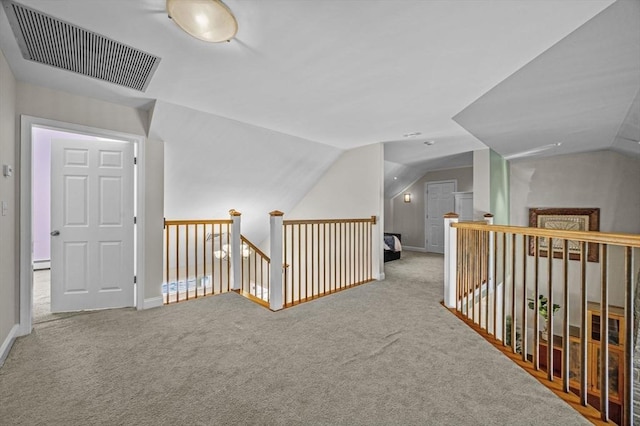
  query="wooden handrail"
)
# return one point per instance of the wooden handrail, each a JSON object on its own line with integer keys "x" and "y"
{"x": 192, "y": 265}
{"x": 316, "y": 221}
{"x": 499, "y": 279}
{"x": 255, "y": 274}
{"x": 323, "y": 256}
{"x": 199, "y": 222}
{"x": 632, "y": 240}
{"x": 254, "y": 248}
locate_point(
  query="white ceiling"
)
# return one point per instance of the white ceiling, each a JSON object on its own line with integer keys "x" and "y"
{"x": 341, "y": 73}
{"x": 579, "y": 93}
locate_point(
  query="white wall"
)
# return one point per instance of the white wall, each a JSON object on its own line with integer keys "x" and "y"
{"x": 603, "y": 179}
{"x": 9, "y": 280}
{"x": 481, "y": 183}
{"x": 388, "y": 214}
{"x": 349, "y": 188}
{"x": 408, "y": 219}
{"x": 214, "y": 164}
{"x": 353, "y": 187}
{"x": 55, "y": 105}
{"x": 154, "y": 225}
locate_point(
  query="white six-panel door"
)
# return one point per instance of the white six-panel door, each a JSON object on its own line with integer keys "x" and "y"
{"x": 440, "y": 201}
{"x": 92, "y": 223}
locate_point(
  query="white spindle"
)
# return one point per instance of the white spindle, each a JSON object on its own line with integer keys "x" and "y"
{"x": 276, "y": 286}
{"x": 235, "y": 255}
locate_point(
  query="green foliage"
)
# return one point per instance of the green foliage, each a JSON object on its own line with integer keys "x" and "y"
{"x": 543, "y": 308}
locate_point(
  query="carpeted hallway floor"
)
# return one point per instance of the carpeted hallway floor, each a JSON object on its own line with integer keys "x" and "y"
{"x": 42, "y": 299}
{"x": 385, "y": 353}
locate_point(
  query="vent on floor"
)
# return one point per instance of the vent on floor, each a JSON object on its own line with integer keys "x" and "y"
{"x": 50, "y": 41}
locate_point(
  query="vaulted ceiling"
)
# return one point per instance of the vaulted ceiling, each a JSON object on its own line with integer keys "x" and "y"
{"x": 576, "y": 96}
{"x": 466, "y": 74}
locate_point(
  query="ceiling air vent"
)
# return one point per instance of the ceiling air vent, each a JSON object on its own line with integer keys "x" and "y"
{"x": 50, "y": 41}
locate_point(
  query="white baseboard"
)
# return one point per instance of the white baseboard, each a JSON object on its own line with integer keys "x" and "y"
{"x": 409, "y": 248}
{"x": 154, "y": 302}
{"x": 7, "y": 344}
{"x": 381, "y": 276}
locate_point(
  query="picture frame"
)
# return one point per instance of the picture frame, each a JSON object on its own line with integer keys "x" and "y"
{"x": 568, "y": 219}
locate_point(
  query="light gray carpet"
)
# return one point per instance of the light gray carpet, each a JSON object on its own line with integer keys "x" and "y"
{"x": 385, "y": 353}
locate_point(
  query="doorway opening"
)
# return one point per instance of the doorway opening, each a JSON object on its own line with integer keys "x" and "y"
{"x": 41, "y": 140}
{"x": 35, "y": 220}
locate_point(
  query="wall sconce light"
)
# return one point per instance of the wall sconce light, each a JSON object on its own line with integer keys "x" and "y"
{"x": 407, "y": 197}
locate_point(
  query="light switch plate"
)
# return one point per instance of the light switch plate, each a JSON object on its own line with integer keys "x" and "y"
{"x": 7, "y": 170}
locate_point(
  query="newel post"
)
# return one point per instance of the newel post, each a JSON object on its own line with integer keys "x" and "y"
{"x": 450, "y": 260}
{"x": 276, "y": 289}
{"x": 236, "y": 260}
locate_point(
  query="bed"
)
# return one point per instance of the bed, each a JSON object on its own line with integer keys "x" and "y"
{"x": 392, "y": 246}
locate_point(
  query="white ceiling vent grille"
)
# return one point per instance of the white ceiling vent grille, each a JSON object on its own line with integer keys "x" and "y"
{"x": 50, "y": 41}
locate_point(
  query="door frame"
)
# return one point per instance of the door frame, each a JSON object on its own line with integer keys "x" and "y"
{"x": 26, "y": 217}
{"x": 426, "y": 202}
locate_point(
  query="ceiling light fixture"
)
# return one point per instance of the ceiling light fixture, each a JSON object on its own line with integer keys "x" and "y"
{"x": 429, "y": 142}
{"x": 206, "y": 20}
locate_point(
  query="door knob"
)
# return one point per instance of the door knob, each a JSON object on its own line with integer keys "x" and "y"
{"x": 55, "y": 233}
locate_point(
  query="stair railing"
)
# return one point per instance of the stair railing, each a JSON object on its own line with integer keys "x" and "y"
{"x": 507, "y": 282}
{"x": 255, "y": 273}
{"x": 197, "y": 258}
{"x": 323, "y": 256}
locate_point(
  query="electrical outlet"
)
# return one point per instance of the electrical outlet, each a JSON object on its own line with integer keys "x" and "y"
{"x": 5, "y": 208}
{"x": 7, "y": 170}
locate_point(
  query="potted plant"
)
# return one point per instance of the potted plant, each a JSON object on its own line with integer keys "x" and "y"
{"x": 543, "y": 310}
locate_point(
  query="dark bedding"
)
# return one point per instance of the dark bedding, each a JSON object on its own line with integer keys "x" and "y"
{"x": 390, "y": 255}
{"x": 389, "y": 241}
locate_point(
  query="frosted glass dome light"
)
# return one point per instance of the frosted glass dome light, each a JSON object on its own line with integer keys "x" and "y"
{"x": 207, "y": 20}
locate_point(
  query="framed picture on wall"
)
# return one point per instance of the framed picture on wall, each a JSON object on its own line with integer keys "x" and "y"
{"x": 566, "y": 219}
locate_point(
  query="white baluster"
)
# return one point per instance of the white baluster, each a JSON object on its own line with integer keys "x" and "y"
{"x": 235, "y": 255}
{"x": 450, "y": 260}
{"x": 276, "y": 290}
